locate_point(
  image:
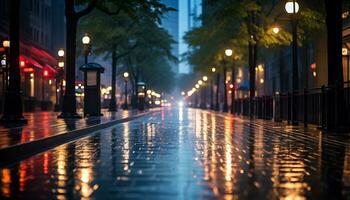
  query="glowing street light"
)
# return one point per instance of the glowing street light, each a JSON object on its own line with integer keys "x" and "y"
{"x": 126, "y": 75}
{"x": 228, "y": 52}
{"x": 292, "y": 7}
{"x": 60, "y": 52}
{"x": 275, "y": 30}
{"x": 200, "y": 82}
{"x": 205, "y": 78}
{"x": 213, "y": 69}
{"x": 87, "y": 46}
{"x": 125, "y": 105}
{"x": 6, "y": 43}
{"x": 86, "y": 39}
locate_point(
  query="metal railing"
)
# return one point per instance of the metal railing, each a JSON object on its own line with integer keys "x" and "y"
{"x": 312, "y": 106}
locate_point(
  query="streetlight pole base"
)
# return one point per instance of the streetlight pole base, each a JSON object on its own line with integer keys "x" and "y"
{"x": 125, "y": 107}
{"x": 69, "y": 116}
{"x": 13, "y": 109}
{"x": 57, "y": 107}
{"x": 225, "y": 109}
{"x": 113, "y": 106}
{"x": 13, "y": 120}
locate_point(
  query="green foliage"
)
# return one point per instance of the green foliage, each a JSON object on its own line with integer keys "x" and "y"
{"x": 137, "y": 38}
{"x": 227, "y": 26}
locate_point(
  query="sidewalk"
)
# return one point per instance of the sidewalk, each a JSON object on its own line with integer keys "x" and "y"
{"x": 44, "y": 129}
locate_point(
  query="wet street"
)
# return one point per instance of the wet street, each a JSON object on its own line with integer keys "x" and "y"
{"x": 187, "y": 154}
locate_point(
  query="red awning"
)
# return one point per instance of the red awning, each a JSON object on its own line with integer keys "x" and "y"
{"x": 30, "y": 62}
{"x": 50, "y": 69}
{"x": 38, "y": 54}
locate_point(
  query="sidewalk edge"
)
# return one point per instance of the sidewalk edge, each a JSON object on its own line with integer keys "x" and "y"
{"x": 19, "y": 152}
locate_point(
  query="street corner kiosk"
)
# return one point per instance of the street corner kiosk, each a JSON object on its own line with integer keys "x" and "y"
{"x": 141, "y": 95}
{"x": 92, "y": 88}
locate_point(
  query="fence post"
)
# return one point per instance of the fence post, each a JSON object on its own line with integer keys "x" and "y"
{"x": 288, "y": 107}
{"x": 264, "y": 107}
{"x": 336, "y": 107}
{"x": 305, "y": 107}
{"x": 323, "y": 114}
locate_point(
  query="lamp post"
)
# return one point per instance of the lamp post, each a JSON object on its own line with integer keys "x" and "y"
{"x": 292, "y": 8}
{"x": 59, "y": 79}
{"x": 228, "y": 53}
{"x": 87, "y": 46}
{"x": 203, "y": 104}
{"x": 213, "y": 70}
{"x": 6, "y": 45}
{"x": 126, "y": 76}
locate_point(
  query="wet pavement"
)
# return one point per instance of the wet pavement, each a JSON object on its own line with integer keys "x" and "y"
{"x": 45, "y": 124}
{"x": 187, "y": 154}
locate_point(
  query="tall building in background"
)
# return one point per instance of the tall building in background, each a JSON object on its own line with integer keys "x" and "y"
{"x": 170, "y": 22}
{"x": 190, "y": 12}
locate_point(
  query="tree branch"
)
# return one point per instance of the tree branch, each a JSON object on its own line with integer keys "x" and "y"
{"x": 108, "y": 12}
{"x": 87, "y": 10}
{"x": 127, "y": 52}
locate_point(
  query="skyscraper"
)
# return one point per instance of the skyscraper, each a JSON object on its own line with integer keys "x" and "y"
{"x": 190, "y": 12}
{"x": 170, "y": 22}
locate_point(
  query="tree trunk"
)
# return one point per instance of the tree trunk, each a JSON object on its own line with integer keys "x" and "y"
{"x": 69, "y": 101}
{"x": 13, "y": 107}
{"x": 336, "y": 116}
{"x": 251, "y": 80}
{"x": 113, "y": 102}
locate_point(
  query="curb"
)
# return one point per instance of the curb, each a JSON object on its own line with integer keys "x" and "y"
{"x": 19, "y": 152}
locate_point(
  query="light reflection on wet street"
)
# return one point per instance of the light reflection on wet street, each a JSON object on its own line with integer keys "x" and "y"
{"x": 187, "y": 154}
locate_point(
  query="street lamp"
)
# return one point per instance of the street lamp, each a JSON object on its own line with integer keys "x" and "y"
{"x": 87, "y": 46}
{"x": 292, "y": 8}
{"x": 276, "y": 30}
{"x": 213, "y": 70}
{"x": 126, "y": 76}
{"x": 59, "y": 79}
{"x": 203, "y": 92}
{"x": 60, "y": 52}
{"x": 228, "y": 53}
{"x": 6, "y": 45}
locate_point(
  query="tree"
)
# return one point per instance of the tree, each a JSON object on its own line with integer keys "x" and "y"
{"x": 72, "y": 18}
{"x": 245, "y": 27}
{"x": 152, "y": 8}
{"x": 150, "y": 60}
{"x": 112, "y": 37}
{"x": 117, "y": 36}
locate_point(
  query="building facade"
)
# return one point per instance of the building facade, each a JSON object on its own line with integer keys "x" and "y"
{"x": 190, "y": 12}
{"x": 41, "y": 35}
{"x": 170, "y": 22}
